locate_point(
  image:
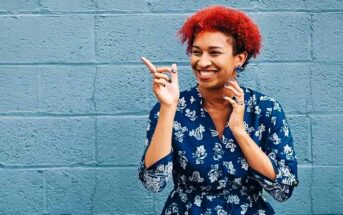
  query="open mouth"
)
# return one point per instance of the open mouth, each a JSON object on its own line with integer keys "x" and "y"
{"x": 206, "y": 74}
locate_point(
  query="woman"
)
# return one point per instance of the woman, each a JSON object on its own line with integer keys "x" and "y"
{"x": 222, "y": 143}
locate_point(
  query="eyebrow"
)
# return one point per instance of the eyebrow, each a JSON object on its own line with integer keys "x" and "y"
{"x": 211, "y": 47}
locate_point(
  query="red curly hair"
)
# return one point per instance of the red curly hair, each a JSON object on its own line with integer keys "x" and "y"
{"x": 232, "y": 22}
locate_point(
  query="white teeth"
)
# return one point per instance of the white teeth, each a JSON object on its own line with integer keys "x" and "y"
{"x": 206, "y": 73}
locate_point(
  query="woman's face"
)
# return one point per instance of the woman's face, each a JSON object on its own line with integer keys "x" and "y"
{"x": 212, "y": 59}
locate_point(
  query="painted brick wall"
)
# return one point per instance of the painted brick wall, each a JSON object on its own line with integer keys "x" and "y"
{"x": 74, "y": 98}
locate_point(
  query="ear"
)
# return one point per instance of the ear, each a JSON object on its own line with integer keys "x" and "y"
{"x": 241, "y": 58}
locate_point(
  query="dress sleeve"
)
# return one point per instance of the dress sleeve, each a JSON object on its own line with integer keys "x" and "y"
{"x": 279, "y": 148}
{"x": 156, "y": 176}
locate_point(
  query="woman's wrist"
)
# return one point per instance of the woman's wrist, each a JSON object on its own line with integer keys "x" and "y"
{"x": 239, "y": 132}
{"x": 169, "y": 107}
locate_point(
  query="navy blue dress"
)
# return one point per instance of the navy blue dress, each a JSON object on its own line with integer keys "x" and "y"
{"x": 211, "y": 175}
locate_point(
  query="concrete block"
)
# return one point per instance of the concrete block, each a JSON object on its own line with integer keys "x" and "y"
{"x": 299, "y": 5}
{"x": 300, "y": 127}
{"x": 15, "y": 7}
{"x": 327, "y": 139}
{"x": 119, "y": 191}
{"x": 265, "y": 5}
{"x": 19, "y": 89}
{"x": 285, "y": 36}
{"x": 68, "y": 89}
{"x": 289, "y": 84}
{"x": 92, "y": 6}
{"x": 46, "y": 141}
{"x": 327, "y": 190}
{"x": 326, "y": 86}
{"x": 74, "y": 5}
{"x": 22, "y": 192}
{"x": 125, "y": 38}
{"x": 249, "y": 77}
{"x": 41, "y": 39}
{"x": 70, "y": 191}
{"x": 177, "y": 6}
{"x": 328, "y": 36}
{"x": 123, "y": 5}
{"x": 122, "y": 89}
{"x": 120, "y": 140}
{"x": 323, "y": 5}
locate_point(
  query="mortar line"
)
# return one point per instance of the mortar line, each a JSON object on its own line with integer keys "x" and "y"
{"x": 312, "y": 161}
{"x": 142, "y": 114}
{"x": 113, "y": 166}
{"x": 311, "y": 37}
{"x": 39, "y": 90}
{"x": 96, "y": 153}
{"x": 161, "y": 63}
{"x": 159, "y": 13}
{"x": 45, "y": 201}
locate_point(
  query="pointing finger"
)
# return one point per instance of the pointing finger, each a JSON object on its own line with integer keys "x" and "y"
{"x": 147, "y": 62}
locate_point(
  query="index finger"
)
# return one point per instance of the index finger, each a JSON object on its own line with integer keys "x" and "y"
{"x": 151, "y": 66}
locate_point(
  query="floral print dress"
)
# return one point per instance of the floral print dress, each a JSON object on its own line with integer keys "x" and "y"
{"x": 211, "y": 175}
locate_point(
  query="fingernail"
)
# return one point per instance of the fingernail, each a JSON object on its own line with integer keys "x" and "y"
{"x": 225, "y": 97}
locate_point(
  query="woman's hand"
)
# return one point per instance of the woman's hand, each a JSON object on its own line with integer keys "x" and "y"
{"x": 237, "y": 101}
{"x": 165, "y": 89}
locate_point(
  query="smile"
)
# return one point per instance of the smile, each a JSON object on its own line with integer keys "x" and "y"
{"x": 206, "y": 73}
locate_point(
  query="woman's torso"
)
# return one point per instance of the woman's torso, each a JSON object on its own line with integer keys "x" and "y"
{"x": 211, "y": 175}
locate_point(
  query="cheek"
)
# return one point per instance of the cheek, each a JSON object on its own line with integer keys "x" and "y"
{"x": 226, "y": 65}
{"x": 193, "y": 61}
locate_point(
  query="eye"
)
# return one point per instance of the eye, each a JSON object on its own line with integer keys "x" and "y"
{"x": 196, "y": 52}
{"x": 215, "y": 53}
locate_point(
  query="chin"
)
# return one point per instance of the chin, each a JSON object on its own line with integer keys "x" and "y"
{"x": 210, "y": 85}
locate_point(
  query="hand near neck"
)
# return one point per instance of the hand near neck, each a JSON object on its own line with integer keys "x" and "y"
{"x": 213, "y": 99}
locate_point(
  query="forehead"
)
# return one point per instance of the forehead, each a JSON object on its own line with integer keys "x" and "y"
{"x": 207, "y": 39}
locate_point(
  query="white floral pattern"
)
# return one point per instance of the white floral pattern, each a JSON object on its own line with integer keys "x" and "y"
{"x": 200, "y": 155}
{"x": 191, "y": 114}
{"x": 198, "y": 132}
{"x": 179, "y": 131}
{"x": 229, "y": 144}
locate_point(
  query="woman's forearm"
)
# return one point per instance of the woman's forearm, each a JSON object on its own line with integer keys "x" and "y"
{"x": 160, "y": 144}
{"x": 255, "y": 157}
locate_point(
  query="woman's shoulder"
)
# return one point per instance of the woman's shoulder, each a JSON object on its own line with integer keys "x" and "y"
{"x": 262, "y": 105}
{"x": 257, "y": 98}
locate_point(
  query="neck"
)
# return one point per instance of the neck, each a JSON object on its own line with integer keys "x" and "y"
{"x": 213, "y": 98}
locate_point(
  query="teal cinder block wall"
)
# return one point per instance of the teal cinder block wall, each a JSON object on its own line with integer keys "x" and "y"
{"x": 74, "y": 98}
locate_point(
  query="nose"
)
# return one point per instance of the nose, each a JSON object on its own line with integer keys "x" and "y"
{"x": 204, "y": 61}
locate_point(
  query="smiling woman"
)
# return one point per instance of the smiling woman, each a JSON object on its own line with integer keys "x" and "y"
{"x": 220, "y": 142}
{"x": 212, "y": 59}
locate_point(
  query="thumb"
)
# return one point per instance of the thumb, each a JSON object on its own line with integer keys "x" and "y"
{"x": 174, "y": 74}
